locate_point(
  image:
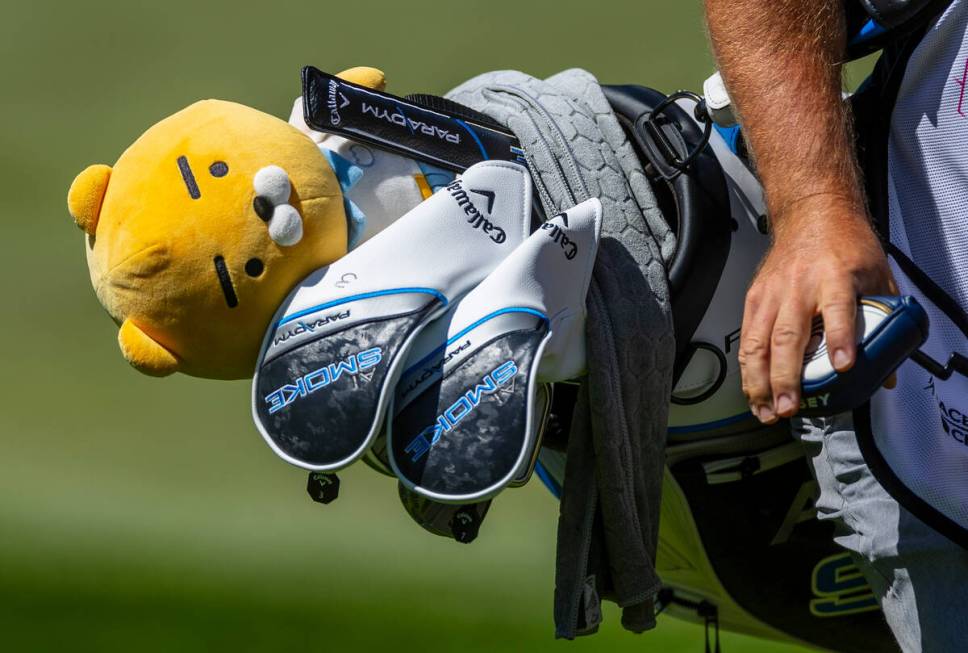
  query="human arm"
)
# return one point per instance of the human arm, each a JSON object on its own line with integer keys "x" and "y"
{"x": 780, "y": 61}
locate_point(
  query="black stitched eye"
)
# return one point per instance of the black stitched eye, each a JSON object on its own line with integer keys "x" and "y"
{"x": 254, "y": 267}
{"x": 219, "y": 169}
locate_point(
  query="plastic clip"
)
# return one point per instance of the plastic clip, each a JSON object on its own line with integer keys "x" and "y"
{"x": 668, "y": 150}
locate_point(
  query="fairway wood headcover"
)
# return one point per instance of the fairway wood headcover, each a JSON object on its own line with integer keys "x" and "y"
{"x": 334, "y": 351}
{"x": 200, "y": 229}
{"x": 466, "y": 408}
{"x": 458, "y": 522}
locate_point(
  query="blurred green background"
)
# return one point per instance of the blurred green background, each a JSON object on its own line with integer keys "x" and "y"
{"x": 144, "y": 514}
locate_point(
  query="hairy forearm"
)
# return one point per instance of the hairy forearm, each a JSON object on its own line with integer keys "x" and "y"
{"x": 780, "y": 60}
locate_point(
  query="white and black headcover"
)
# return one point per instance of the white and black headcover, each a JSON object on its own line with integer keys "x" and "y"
{"x": 463, "y": 424}
{"x": 333, "y": 352}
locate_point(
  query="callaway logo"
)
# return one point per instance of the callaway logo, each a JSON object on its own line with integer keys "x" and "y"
{"x": 474, "y": 217}
{"x": 489, "y": 194}
{"x": 558, "y": 235}
{"x": 434, "y": 367}
{"x": 460, "y": 409}
{"x": 308, "y": 327}
{"x": 399, "y": 119}
{"x": 354, "y": 365}
{"x": 334, "y": 102}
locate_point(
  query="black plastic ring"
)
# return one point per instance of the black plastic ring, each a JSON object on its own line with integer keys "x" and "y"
{"x": 676, "y": 162}
{"x": 717, "y": 384}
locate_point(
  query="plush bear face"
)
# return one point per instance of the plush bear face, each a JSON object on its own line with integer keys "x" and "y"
{"x": 199, "y": 231}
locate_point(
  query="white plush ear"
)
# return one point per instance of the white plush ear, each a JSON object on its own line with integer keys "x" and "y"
{"x": 272, "y": 182}
{"x": 285, "y": 227}
{"x": 86, "y": 194}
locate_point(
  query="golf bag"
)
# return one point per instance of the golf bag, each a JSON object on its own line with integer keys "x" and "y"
{"x": 739, "y": 545}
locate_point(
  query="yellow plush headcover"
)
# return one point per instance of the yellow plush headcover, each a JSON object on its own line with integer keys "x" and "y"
{"x": 178, "y": 252}
{"x": 202, "y": 227}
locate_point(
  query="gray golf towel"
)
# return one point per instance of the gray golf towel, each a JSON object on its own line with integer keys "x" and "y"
{"x": 608, "y": 525}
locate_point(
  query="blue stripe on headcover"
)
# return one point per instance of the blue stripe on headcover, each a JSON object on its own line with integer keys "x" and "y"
{"x": 366, "y": 295}
{"x": 463, "y": 332}
{"x": 347, "y": 174}
{"x": 490, "y": 316}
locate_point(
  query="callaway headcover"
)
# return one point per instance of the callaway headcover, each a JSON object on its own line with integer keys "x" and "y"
{"x": 467, "y": 408}
{"x": 332, "y": 354}
{"x": 458, "y": 522}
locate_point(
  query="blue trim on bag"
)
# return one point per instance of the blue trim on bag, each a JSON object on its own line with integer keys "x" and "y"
{"x": 870, "y": 30}
{"x": 730, "y": 135}
{"x": 707, "y": 426}
{"x": 548, "y": 480}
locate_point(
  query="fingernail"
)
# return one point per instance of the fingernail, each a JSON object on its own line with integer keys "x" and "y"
{"x": 784, "y": 404}
{"x": 841, "y": 359}
{"x": 764, "y": 414}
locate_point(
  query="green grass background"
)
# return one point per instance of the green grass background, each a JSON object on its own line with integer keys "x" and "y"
{"x": 139, "y": 514}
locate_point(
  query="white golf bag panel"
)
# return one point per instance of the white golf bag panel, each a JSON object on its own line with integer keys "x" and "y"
{"x": 708, "y": 398}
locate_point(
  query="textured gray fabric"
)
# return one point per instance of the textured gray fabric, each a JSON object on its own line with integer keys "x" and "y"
{"x": 608, "y": 526}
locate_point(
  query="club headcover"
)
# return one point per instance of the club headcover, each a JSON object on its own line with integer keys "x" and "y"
{"x": 889, "y": 329}
{"x": 333, "y": 352}
{"x": 378, "y": 459}
{"x": 458, "y": 522}
{"x": 467, "y": 409}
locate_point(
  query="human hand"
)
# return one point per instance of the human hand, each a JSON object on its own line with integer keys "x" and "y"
{"x": 824, "y": 256}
